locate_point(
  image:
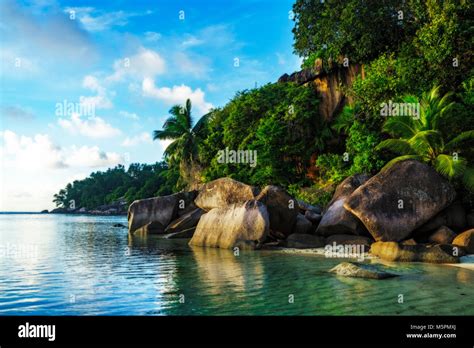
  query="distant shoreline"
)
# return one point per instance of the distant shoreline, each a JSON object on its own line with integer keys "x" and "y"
{"x": 51, "y": 213}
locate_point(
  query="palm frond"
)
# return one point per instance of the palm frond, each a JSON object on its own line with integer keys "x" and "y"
{"x": 165, "y": 134}
{"x": 403, "y": 126}
{"x": 449, "y": 166}
{"x": 401, "y": 159}
{"x": 399, "y": 146}
{"x": 468, "y": 178}
{"x": 426, "y": 142}
{"x": 464, "y": 136}
{"x": 202, "y": 123}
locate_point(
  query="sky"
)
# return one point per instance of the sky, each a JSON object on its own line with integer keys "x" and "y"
{"x": 84, "y": 83}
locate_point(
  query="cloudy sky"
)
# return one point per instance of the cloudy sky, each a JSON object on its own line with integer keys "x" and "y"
{"x": 84, "y": 83}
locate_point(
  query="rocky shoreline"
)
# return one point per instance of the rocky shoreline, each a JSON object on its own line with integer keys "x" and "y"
{"x": 407, "y": 213}
{"x": 114, "y": 208}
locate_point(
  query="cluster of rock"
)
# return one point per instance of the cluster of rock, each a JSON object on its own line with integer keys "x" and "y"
{"x": 405, "y": 213}
{"x": 114, "y": 208}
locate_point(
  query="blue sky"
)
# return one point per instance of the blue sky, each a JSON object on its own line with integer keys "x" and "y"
{"x": 118, "y": 67}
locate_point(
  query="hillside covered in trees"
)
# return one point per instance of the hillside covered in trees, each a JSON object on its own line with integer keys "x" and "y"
{"x": 423, "y": 56}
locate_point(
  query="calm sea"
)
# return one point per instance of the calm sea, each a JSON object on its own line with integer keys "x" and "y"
{"x": 83, "y": 265}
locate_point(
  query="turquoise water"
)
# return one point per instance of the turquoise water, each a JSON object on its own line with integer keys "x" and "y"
{"x": 82, "y": 265}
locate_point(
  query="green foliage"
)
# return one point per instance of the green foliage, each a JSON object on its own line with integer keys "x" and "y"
{"x": 349, "y": 28}
{"x": 280, "y": 121}
{"x": 422, "y": 138}
{"x": 360, "y": 146}
{"x": 315, "y": 195}
{"x": 447, "y": 34}
{"x": 383, "y": 82}
{"x": 138, "y": 182}
{"x": 332, "y": 168}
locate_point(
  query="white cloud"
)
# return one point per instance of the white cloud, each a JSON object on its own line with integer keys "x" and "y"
{"x": 101, "y": 100}
{"x": 196, "y": 66}
{"x": 16, "y": 112}
{"x": 23, "y": 152}
{"x": 39, "y": 152}
{"x": 95, "y": 20}
{"x": 145, "y": 63}
{"x": 176, "y": 95}
{"x": 86, "y": 156}
{"x": 129, "y": 115}
{"x": 40, "y": 34}
{"x": 165, "y": 143}
{"x": 138, "y": 139}
{"x": 14, "y": 64}
{"x": 152, "y": 36}
{"x": 192, "y": 41}
{"x": 94, "y": 127}
{"x": 33, "y": 169}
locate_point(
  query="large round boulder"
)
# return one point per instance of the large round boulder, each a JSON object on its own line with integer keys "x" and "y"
{"x": 244, "y": 225}
{"x": 282, "y": 209}
{"x": 222, "y": 192}
{"x": 162, "y": 210}
{"x": 400, "y": 199}
{"x": 465, "y": 240}
{"x": 336, "y": 219}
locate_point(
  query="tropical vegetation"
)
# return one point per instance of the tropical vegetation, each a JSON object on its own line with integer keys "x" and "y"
{"x": 424, "y": 54}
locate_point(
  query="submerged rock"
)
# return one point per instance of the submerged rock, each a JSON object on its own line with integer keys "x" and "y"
{"x": 465, "y": 240}
{"x": 153, "y": 227}
{"x": 184, "y": 234}
{"x": 282, "y": 209}
{"x": 360, "y": 270}
{"x": 222, "y": 192}
{"x": 304, "y": 241}
{"x": 245, "y": 225}
{"x": 336, "y": 219}
{"x": 400, "y": 199}
{"x": 392, "y": 251}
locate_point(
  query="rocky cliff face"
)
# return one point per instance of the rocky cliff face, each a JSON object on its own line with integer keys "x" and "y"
{"x": 330, "y": 84}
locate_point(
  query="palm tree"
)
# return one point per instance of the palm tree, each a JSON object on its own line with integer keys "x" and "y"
{"x": 179, "y": 128}
{"x": 185, "y": 137}
{"x": 421, "y": 138}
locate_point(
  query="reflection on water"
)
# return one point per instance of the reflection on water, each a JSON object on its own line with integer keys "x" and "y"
{"x": 78, "y": 265}
{"x": 226, "y": 270}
